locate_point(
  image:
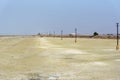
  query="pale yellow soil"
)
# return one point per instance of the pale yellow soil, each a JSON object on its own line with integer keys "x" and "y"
{"x": 34, "y": 58}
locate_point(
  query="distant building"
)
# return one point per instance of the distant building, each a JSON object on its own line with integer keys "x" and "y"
{"x": 72, "y": 34}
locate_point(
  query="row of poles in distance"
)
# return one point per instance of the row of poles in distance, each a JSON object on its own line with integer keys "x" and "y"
{"x": 75, "y": 35}
{"x": 117, "y": 46}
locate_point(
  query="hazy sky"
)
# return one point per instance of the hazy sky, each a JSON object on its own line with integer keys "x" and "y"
{"x": 33, "y": 16}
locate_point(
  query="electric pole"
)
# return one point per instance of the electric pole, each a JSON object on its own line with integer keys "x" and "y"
{"x": 117, "y": 46}
{"x": 75, "y": 35}
{"x": 61, "y": 34}
{"x": 54, "y": 33}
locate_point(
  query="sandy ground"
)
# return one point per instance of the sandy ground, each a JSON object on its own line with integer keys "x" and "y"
{"x": 40, "y": 59}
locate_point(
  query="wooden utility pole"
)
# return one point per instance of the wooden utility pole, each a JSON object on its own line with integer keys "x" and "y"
{"x": 75, "y": 35}
{"x": 49, "y": 34}
{"x": 61, "y": 34}
{"x": 117, "y": 46}
{"x": 54, "y": 34}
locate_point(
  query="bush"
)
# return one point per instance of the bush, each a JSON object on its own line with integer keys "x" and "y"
{"x": 95, "y": 34}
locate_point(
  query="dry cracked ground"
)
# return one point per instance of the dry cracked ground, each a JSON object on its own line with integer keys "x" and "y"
{"x": 35, "y": 58}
